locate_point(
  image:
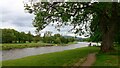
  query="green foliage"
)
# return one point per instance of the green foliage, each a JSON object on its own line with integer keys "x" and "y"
{"x": 13, "y": 36}
{"x": 23, "y": 37}
{"x": 30, "y": 37}
{"x": 37, "y": 38}
{"x": 71, "y": 12}
{"x": 95, "y": 19}
{"x": 71, "y": 39}
{"x": 64, "y": 40}
{"x": 47, "y": 38}
{"x": 8, "y": 35}
{"x": 57, "y": 35}
{"x": 56, "y": 39}
{"x": 47, "y": 34}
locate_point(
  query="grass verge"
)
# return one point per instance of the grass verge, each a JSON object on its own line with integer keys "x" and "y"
{"x": 110, "y": 59}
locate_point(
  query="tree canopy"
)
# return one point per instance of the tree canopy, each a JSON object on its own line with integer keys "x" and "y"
{"x": 13, "y": 36}
{"x": 86, "y": 17}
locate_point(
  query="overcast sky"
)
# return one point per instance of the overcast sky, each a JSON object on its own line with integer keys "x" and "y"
{"x": 12, "y": 15}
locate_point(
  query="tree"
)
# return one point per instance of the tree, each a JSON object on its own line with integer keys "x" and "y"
{"x": 23, "y": 37}
{"x": 47, "y": 38}
{"x": 8, "y": 35}
{"x": 57, "y": 40}
{"x": 30, "y": 37}
{"x": 37, "y": 38}
{"x": 57, "y": 35}
{"x": 71, "y": 39}
{"x": 47, "y": 34}
{"x": 64, "y": 40}
{"x": 108, "y": 24}
{"x": 13, "y": 36}
{"x": 16, "y": 33}
{"x": 98, "y": 15}
{"x": 19, "y": 36}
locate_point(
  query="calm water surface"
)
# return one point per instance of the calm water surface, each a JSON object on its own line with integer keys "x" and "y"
{"x": 19, "y": 53}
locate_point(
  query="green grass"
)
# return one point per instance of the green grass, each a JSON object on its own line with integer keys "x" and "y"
{"x": 67, "y": 57}
{"x": 108, "y": 59}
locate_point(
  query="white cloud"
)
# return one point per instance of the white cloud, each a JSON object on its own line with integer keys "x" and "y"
{"x": 14, "y": 16}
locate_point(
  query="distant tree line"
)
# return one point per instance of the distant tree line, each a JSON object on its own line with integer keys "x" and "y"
{"x": 13, "y": 36}
{"x": 57, "y": 38}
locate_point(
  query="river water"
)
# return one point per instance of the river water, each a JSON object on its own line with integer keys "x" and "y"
{"x": 19, "y": 53}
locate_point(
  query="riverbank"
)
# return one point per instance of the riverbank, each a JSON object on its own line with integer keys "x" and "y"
{"x": 29, "y": 45}
{"x": 23, "y": 45}
{"x": 63, "y": 58}
{"x": 73, "y": 57}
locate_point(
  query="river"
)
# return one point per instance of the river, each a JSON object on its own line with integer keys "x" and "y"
{"x": 19, "y": 53}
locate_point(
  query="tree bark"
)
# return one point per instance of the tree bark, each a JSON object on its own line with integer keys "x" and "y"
{"x": 107, "y": 41}
{"x": 108, "y": 28}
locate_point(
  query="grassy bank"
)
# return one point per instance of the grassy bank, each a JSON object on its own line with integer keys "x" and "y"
{"x": 23, "y": 45}
{"x": 64, "y": 58}
{"x": 108, "y": 59}
{"x": 29, "y": 45}
{"x": 68, "y": 58}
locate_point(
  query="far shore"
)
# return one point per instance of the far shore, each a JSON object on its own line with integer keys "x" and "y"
{"x": 8, "y": 46}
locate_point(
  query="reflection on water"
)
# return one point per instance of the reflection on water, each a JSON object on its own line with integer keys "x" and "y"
{"x": 19, "y": 53}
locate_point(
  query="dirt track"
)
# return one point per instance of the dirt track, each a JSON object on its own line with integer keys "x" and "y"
{"x": 91, "y": 58}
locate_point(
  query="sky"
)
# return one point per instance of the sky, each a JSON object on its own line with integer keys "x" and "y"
{"x": 13, "y": 16}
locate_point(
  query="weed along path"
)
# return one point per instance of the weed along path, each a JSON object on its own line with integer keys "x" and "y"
{"x": 20, "y": 53}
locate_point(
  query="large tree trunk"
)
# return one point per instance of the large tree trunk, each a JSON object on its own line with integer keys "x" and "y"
{"x": 108, "y": 28}
{"x": 107, "y": 41}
